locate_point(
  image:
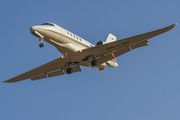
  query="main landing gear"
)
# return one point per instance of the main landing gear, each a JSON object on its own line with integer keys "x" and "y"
{"x": 69, "y": 70}
{"x": 93, "y": 61}
{"x": 41, "y": 44}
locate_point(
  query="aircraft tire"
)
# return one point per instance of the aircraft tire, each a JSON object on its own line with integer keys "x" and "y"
{"x": 41, "y": 45}
{"x": 93, "y": 62}
{"x": 69, "y": 70}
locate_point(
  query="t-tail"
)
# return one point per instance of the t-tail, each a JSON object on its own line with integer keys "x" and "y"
{"x": 113, "y": 62}
{"x": 112, "y": 38}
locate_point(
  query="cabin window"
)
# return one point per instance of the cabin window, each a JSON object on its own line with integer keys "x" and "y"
{"x": 67, "y": 32}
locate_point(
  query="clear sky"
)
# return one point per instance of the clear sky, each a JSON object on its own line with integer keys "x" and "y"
{"x": 145, "y": 86}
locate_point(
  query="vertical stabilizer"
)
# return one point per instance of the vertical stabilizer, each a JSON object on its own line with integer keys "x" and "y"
{"x": 111, "y": 38}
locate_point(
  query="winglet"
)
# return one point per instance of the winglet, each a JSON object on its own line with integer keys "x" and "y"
{"x": 174, "y": 24}
{"x": 5, "y": 82}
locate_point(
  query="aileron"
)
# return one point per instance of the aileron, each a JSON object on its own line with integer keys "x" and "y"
{"x": 139, "y": 44}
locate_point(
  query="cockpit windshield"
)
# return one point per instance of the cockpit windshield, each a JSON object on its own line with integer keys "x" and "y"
{"x": 50, "y": 24}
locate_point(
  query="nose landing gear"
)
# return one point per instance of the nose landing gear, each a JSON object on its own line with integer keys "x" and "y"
{"x": 41, "y": 44}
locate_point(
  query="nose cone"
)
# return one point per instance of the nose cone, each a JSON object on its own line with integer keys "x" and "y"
{"x": 33, "y": 28}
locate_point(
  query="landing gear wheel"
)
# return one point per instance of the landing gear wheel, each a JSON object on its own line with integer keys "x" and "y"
{"x": 69, "y": 70}
{"x": 93, "y": 62}
{"x": 41, "y": 45}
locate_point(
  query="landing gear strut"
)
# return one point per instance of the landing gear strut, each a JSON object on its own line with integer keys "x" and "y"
{"x": 69, "y": 70}
{"x": 41, "y": 44}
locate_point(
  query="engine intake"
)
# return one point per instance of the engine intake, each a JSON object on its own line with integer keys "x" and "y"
{"x": 99, "y": 43}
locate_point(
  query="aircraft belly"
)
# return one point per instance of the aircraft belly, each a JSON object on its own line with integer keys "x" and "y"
{"x": 70, "y": 51}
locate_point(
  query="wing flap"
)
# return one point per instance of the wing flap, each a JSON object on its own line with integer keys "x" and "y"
{"x": 39, "y": 77}
{"x": 105, "y": 58}
{"x": 55, "y": 73}
{"x": 120, "y": 52}
{"x": 124, "y": 50}
{"x": 112, "y": 55}
{"x": 74, "y": 69}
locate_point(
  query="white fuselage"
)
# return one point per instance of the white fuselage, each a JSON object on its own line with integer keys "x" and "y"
{"x": 69, "y": 44}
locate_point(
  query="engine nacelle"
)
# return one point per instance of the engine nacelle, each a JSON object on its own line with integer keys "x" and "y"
{"x": 100, "y": 43}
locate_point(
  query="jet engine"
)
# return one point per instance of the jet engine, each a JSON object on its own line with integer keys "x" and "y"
{"x": 100, "y": 43}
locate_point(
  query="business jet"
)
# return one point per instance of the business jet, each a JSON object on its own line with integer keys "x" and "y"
{"x": 79, "y": 52}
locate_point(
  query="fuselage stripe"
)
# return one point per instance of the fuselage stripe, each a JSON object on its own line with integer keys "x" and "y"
{"x": 68, "y": 38}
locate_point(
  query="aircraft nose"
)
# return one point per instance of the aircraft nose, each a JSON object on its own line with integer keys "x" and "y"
{"x": 33, "y": 28}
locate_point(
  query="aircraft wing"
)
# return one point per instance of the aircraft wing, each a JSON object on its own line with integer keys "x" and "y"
{"x": 50, "y": 69}
{"x": 120, "y": 47}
